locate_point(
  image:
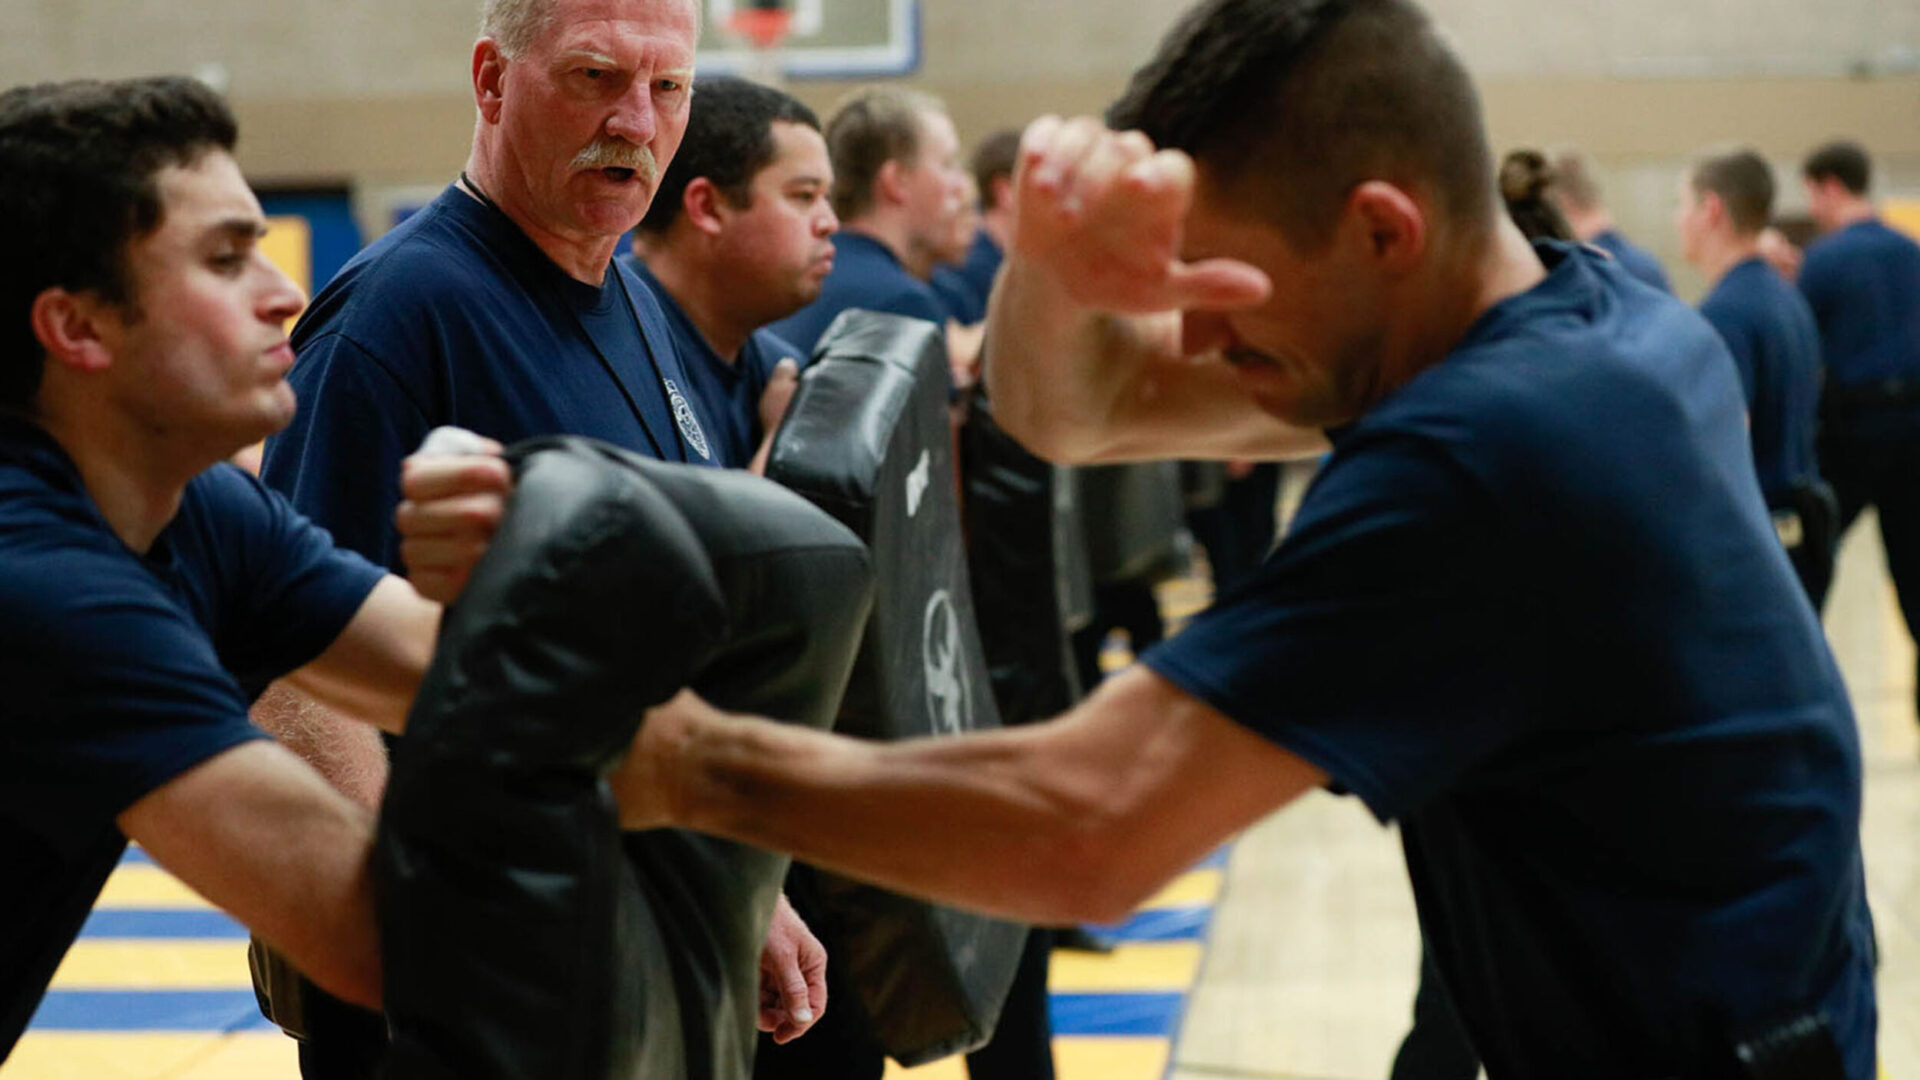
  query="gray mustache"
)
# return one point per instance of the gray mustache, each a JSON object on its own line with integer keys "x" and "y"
{"x": 617, "y": 154}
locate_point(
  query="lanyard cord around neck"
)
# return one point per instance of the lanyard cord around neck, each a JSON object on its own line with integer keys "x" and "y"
{"x": 633, "y": 311}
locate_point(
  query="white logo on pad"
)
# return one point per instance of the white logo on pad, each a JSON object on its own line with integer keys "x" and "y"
{"x": 948, "y": 700}
{"x": 917, "y": 482}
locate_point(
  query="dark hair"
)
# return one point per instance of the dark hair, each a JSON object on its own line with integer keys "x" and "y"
{"x": 1744, "y": 182}
{"x": 1291, "y": 104}
{"x": 1846, "y": 162}
{"x": 869, "y": 128}
{"x": 729, "y": 140}
{"x": 1525, "y": 177}
{"x": 78, "y": 166}
{"x": 994, "y": 158}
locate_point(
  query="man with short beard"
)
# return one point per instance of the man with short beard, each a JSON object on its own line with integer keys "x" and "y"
{"x": 499, "y": 308}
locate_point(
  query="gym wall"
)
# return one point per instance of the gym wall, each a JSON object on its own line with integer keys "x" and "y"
{"x": 374, "y": 93}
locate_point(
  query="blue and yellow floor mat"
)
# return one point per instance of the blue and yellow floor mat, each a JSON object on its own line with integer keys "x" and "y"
{"x": 156, "y": 988}
{"x": 1116, "y": 1015}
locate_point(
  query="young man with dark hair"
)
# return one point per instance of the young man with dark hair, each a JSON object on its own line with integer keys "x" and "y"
{"x": 897, "y": 184}
{"x": 1726, "y": 200}
{"x": 147, "y": 590}
{"x": 1533, "y": 608}
{"x": 1862, "y": 280}
{"x": 1576, "y": 188}
{"x": 737, "y": 237}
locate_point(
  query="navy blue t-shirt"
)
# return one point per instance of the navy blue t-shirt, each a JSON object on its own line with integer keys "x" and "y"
{"x": 982, "y": 263}
{"x": 1534, "y": 609}
{"x": 1638, "y": 260}
{"x": 1776, "y": 350}
{"x": 729, "y": 394}
{"x": 456, "y": 317}
{"x": 956, "y": 294}
{"x": 1863, "y": 284}
{"x": 123, "y": 672}
{"x": 866, "y": 274}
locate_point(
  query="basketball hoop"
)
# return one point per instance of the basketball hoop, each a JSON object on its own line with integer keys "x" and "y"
{"x": 764, "y": 24}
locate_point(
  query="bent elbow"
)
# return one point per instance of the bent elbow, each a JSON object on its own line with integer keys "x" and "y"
{"x": 1097, "y": 879}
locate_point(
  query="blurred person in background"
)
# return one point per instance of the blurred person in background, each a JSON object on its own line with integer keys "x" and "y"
{"x": 1578, "y": 193}
{"x": 1862, "y": 280}
{"x": 1725, "y": 202}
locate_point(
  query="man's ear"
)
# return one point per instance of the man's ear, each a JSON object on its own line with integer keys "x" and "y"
{"x": 702, "y": 203}
{"x": 1714, "y": 206}
{"x": 889, "y": 184}
{"x": 489, "y": 78}
{"x": 70, "y": 326}
{"x": 1393, "y": 224}
{"x": 1000, "y": 191}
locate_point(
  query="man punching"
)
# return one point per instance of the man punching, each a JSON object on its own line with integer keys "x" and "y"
{"x": 1533, "y": 609}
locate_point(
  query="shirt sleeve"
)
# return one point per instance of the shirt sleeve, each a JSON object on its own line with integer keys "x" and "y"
{"x": 1371, "y": 643}
{"x": 296, "y": 590}
{"x": 113, "y": 690}
{"x": 338, "y": 463}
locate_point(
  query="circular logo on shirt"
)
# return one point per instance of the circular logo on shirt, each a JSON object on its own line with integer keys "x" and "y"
{"x": 689, "y": 424}
{"x": 948, "y": 701}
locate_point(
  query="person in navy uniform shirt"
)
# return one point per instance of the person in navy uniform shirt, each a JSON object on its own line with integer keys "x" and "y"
{"x": 897, "y": 185}
{"x": 1533, "y": 608}
{"x": 1726, "y": 200}
{"x": 992, "y": 164}
{"x": 499, "y": 308}
{"x": 148, "y": 590}
{"x": 1576, "y": 188}
{"x": 1862, "y": 280}
{"x": 964, "y": 304}
{"x": 737, "y": 237}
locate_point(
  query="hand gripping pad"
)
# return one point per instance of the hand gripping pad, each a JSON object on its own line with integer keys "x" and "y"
{"x": 867, "y": 439}
{"x": 523, "y": 935}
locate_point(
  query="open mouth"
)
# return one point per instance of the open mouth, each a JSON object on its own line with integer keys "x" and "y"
{"x": 617, "y": 174}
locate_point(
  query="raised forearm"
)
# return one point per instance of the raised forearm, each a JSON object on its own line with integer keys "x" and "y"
{"x": 1076, "y": 386}
{"x": 1042, "y": 362}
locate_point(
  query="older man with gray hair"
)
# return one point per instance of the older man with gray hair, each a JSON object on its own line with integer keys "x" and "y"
{"x": 499, "y": 308}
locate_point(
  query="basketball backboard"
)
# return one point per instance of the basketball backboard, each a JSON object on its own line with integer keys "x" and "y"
{"x": 829, "y": 39}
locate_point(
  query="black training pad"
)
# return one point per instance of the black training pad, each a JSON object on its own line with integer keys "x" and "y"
{"x": 524, "y": 936}
{"x": 867, "y": 439}
{"x": 1027, "y": 555}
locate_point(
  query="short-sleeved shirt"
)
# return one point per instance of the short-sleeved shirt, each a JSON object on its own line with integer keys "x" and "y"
{"x": 728, "y": 393}
{"x": 456, "y": 317}
{"x": 1638, "y": 260}
{"x": 866, "y": 274}
{"x": 124, "y": 671}
{"x": 1776, "y": 349}
{"x": 1863, "y": 284}
{"x": 1534, "y": 609}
